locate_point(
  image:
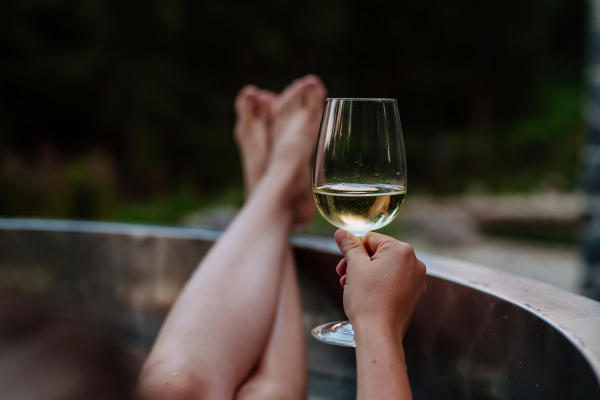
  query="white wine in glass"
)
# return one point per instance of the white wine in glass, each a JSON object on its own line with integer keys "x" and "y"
{"x": 359, "y": 176}
{"x": 359, "y": 208}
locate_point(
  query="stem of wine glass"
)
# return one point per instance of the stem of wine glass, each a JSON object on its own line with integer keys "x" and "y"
{"x": 359, "y": 235}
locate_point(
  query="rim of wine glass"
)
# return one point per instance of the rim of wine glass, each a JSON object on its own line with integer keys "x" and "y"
{"x": 358, "y": 99}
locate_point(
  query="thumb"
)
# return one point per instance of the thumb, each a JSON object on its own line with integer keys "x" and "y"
{"x": 351, "y": 247}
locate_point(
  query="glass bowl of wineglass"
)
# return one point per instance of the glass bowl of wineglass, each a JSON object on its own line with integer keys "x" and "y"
{"x": 359, "y": 176}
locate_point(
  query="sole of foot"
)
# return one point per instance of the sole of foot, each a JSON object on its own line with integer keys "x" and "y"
{"x": 253, "y": 111}
{"x": 296, "y": 115}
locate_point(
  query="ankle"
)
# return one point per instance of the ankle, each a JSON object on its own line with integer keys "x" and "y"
{"x": 281, "y": 170}
{"x": 282, "y": 179}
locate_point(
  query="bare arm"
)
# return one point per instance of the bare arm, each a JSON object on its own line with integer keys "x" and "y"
{"x": 380, "y": 363}
{"x": 381, "y": 292}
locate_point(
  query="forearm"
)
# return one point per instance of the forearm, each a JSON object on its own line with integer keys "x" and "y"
{"x": 380, "y": 363}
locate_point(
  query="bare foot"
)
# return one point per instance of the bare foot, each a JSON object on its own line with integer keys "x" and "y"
{"x": 296, "y": 114}
{"x": 253, "y": 107}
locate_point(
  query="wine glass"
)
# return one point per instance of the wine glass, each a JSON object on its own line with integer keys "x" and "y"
{"x": 359, "y": 176}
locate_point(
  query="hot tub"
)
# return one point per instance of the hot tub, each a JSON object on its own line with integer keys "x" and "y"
{"x": 478, "y": 333}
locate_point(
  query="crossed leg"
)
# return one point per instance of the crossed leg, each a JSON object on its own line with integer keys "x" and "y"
{"x": 233, "y": 332}
{"x": 282, "y": 369}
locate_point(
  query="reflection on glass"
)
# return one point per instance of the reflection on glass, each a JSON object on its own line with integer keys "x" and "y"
{"x": 359, "y": 180}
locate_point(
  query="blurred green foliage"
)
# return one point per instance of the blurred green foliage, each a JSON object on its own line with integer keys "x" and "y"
{"x": 123, "y": 110}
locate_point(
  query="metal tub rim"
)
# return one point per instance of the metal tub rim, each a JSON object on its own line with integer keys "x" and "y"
{"x": 576, "y": 317}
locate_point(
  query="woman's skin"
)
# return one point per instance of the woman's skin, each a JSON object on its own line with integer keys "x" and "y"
{"x": 236, "y": 330}
{"x": 225, "y": 325}
{"x": 383, "y": 283}
{"x": 282, "y": 371}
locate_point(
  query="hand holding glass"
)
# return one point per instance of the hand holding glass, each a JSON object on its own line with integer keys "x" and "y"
{"x": 359, "y": 176}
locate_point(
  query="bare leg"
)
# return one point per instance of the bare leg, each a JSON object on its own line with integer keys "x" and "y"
{"x": 282, "y": 111}
{"x": 252, "y": 133}
{"x": 219, "y": 327}
{"x": 282, "y": 370}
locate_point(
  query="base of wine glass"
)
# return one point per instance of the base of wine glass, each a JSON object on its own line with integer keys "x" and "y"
{"x": 338, "y": 333}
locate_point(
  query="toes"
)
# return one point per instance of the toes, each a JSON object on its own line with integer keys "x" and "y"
{"x": 265, "y": 100}
{"x": 314, "y": 92}
{"x": 269, "y": 95}
{"x": 247, "y": 107}
{"x": 286, "y": 93}
{"x": 316, "y": 81}
{"x": 291, "y": 97}
{"x": 247, "y": 94}
{"x": 308, "y": 91}
{"x": 247, "y": 104}
{"x": 313, "y": 97}
{"x": 251, "y": 132}
{"x": 277, "y": 104}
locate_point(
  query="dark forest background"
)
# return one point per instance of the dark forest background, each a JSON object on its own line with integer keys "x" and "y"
{"x": 123, "y": 110}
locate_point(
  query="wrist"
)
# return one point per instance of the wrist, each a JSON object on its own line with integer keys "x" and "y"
{"x": 373, "y": 327}
{"x": 380, "y": 360}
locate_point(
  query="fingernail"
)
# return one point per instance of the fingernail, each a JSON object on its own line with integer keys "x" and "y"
{"x": 340, "y": 235}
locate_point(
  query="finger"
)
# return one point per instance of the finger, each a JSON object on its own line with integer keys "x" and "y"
{"x": 375, "y": 241}
{"x": 351, "y": 247}
{"x": 343, "y": 281}
{"x": 422, "y": 268}
{"x": 341, "y": 267}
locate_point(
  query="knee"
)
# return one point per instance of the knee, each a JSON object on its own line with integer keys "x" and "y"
{"x": 155, "y": 388}
{"x": 167, "y": 382}
{"x": 267, "y": 389}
